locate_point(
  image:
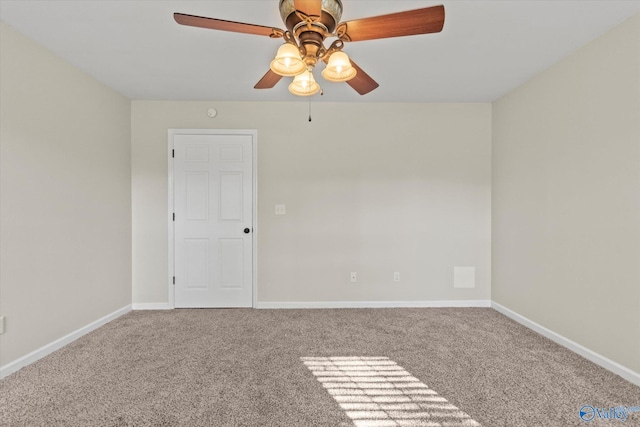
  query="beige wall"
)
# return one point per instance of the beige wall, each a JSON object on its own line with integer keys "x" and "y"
{"x": 371, "y": 188}
{"x": 65, "y": 198}
{"x": 566, "y": 197}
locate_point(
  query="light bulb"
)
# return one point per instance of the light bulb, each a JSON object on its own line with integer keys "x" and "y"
{"x": 288, "y": 61}
{"x": 339, "y": 68}
{"x": 304, "y": 84}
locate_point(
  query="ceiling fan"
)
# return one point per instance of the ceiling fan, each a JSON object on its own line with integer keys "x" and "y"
{"x": 309, "y": 23}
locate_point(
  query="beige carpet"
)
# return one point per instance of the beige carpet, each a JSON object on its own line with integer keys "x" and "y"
{"x": 453, "y": 367}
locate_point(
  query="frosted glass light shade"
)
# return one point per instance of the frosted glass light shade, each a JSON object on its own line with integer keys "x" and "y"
{"x": 304, "y": 84}
{"x": 287, "y": 61}
{"x": 339, "y": 68}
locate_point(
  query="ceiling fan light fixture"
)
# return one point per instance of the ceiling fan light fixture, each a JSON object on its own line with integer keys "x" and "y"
{"x": 339, "y": 68}
{"x": 309, "y": 23}
{"x": 304, "y": 84}
{"x": 288, "y": 61}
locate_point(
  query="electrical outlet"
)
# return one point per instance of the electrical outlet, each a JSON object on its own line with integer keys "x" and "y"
{"x": 354, "y": 277}
{"x": 281, "y": 209}
{"x": 396, "y": 276}
{"x": 2, "y": 325}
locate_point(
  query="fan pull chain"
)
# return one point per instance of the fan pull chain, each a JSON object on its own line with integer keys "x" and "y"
{"x": 321, "y": 93}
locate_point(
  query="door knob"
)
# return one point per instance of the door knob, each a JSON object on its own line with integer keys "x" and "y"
{"x": 247, "y": 230}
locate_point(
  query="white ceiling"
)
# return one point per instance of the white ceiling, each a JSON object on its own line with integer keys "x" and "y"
{"x": 486, "y": 49}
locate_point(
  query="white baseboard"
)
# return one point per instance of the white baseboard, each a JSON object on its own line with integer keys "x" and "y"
{"x": 152, "y": 306}
{"x": 591, "y": 355}
{"x": 588, "y": 354}
{"x": 372, "y": 304}
{"x": 20, "y": 363}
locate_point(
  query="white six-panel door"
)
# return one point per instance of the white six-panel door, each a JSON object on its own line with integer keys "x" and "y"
{"x": 213, "y": 227}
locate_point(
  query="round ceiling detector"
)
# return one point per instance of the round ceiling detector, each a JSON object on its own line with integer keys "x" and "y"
{"x": 211, "y": 112}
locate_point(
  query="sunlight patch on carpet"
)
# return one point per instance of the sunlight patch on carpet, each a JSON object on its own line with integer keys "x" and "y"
{"x": 377, "y": 392}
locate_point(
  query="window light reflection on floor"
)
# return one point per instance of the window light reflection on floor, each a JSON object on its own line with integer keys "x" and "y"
{"x": 377, "y": 392}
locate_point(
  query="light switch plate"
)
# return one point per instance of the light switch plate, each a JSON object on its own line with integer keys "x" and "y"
{"x": 281, "y": 209}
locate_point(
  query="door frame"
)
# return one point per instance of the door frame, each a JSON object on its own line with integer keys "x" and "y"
{"x": 171, "y": 209}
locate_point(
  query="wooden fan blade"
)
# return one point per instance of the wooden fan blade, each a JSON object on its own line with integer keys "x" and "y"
{"x": 362, "y": 82}
{"x": 409, "y": 23}
{"x": 309, "y": 7}
{"x": 221, "y": 24}
{"x": 268, "y": 81}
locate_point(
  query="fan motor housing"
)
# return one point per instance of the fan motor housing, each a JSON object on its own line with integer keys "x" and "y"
{"x": 331, "y": 14}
